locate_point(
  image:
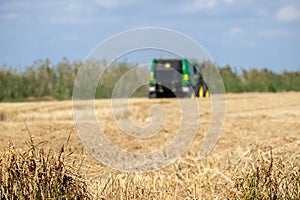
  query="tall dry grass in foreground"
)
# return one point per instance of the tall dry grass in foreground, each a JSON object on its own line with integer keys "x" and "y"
{"x": 269, "y": 178}
{"x": 260, "y": 176}
{"x": 254, "y": 174}
{"x": 39, "y": 174}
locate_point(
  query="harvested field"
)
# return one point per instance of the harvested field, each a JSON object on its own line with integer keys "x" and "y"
{"x": 257, "y": 155}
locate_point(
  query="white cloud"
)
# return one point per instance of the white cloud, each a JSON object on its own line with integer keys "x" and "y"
{"x": 238, "y": 37}
{"x": 229, "y": 1}
{"x": 59, "y": 12}
{"x": 108, "y": 3}
{"x": 288, "y": 13}
{"x": 199, "y": 5}
{"x": 236, "y": 31}
{"x": 78, "y": 12}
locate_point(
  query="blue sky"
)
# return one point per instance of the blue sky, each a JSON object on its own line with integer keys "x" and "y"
{"x": 242, "y": 33}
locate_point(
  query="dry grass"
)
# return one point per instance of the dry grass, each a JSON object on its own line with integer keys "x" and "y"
{"x": 257, "y": 156}
{"x": 254, "y": 176}
{"x": 36, "y": 174}
{"x": 39, "y": 174}
{"x": 269, "y": 178}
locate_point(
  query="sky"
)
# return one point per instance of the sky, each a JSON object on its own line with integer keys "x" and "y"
{"x": 241, "y": 33}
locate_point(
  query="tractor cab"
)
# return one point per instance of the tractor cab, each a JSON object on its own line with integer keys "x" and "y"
{"x": 175, "y": 77}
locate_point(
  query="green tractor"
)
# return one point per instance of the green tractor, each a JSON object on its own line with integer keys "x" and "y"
{"x": 176, "y": 77}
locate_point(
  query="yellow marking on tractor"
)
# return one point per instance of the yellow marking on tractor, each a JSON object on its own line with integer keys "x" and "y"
{"x": 186, "y": 77}
{"x": 201, "y": 92}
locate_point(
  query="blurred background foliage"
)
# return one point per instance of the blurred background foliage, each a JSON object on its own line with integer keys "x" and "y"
{"x": 44, "y": 81}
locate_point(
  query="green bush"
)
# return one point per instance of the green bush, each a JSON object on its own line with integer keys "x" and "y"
{"x": 44, "y": 81}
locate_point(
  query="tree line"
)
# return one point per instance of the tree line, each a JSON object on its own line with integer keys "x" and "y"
{"x": 44, "y": 81}
{"x": 259, "y": 80}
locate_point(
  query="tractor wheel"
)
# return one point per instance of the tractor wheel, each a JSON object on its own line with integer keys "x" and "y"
{"x": 201, "y": 91}
{"x": 190, "y": 94}
{"x": 207, "y": 93}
